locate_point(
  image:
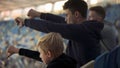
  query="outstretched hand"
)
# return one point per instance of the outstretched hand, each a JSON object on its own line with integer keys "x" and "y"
{"x": 19, "y": 21}
{"x": 11, "y": 50}
{"x": 33, "y": 13}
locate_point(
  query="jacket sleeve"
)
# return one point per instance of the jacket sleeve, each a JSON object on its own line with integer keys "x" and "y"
{"x": 68, "y": 31}
{"x": 30, "y": 54}
{"x": 52, "y": 17}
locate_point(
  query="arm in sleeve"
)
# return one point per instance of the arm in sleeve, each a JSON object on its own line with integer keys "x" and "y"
{"x": 68, "y": 31}
{"x": 52, "y": 17}
{"x": 30, "y": 54}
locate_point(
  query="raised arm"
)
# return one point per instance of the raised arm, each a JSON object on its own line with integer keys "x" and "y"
{"x": 23, "y": 52}
{"x": 68, "y": 31}
{"x": 77, "y": 32}
{"x": 46, "y": 16}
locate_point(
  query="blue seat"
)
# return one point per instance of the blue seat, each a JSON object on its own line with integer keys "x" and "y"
{"x": 114, "y": 58}
{"x": 118, "y": 57}
{"x": 101, "y": 61}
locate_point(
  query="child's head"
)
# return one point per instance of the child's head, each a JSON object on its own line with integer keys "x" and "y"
{"x": 50, "y": 46}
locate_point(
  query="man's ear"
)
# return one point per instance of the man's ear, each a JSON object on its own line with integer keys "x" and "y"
{"x": 77, "y": 14}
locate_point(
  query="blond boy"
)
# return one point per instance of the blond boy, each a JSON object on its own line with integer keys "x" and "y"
{"x": 50, "y": 50}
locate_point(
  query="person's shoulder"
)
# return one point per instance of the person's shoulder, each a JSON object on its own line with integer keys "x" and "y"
{"x": 56, "y": 64}
{"x": 62, "y": 62}
{"x": 108, "y": 23}
{"x": 65, "y": 58}
{"x": 93, "y": 22}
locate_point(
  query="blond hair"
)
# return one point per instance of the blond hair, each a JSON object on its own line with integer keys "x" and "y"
{"x": 52, "y": 42}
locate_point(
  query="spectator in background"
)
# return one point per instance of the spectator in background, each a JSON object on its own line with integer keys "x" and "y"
{"x": 109, "y": 32}
{"x": 1, "y": 64}
{"x": 50, "y": 49}
{"x": 117, "y": 25}
{"x": 0, "y": 51}
{"x": 83, "y": 36}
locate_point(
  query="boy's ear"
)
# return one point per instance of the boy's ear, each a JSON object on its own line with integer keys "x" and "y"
{"x": 49, "y": 54}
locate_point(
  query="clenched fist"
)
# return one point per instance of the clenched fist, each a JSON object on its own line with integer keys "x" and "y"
{"x": 19, "y": 21}
{"x": 33, "y": 13}
{"x": 12, "y": 50}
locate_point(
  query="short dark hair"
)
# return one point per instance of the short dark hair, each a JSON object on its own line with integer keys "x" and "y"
{"x": 99, "y": 10}
{"x": 77, "y": 5}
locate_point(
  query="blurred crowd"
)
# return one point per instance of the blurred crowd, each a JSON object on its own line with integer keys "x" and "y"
{"x": 11, "y": 35}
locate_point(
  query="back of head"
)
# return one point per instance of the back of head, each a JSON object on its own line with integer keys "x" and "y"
{"x": 52, "y": 42}
{"x": 99, "y": 10}
{"x": 77, "y": 5}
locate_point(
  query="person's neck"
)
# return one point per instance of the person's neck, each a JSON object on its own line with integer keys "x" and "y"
{"x": 81, "y": 21}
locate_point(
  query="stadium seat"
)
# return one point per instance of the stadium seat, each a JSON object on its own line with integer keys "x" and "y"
{"x": 90, "y": 64}
{"x": 101, "y": 61}
{"x": 114, "y": 58}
